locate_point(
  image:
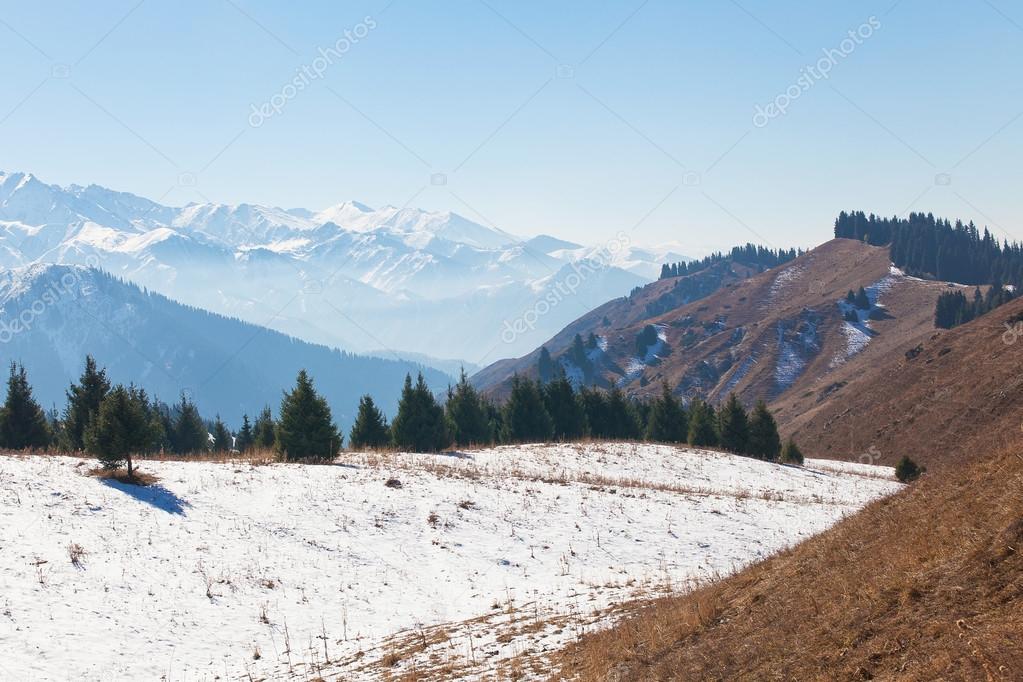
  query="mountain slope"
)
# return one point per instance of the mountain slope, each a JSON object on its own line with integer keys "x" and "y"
{"x": 925, "y": 585}
{"x": 762, "y": 336}
{"x": 936, "y": 400}
{"x": 54, "y": 315}
{"x": 378, "y": 266}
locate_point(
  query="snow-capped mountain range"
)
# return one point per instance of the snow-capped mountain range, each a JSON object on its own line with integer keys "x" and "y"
{"x": 348, "y": 276}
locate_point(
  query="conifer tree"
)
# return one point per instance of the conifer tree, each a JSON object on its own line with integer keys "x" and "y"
{"x": 246, "y": 436}
{"x": 623, "y": 422}
{"x": 594, "y": 402}
{"x": 120, "y": 429}
{"x": 667, "y": 422}
{"x": 733, "y": 425}
{"x": 545, "y": 365}
{"x": 370, "y": 428}
{"x": 702, "y": 424}
{"x": 791, "y": 454}
{"x": 221, "y": 436}
{"x": 525, "y": 418}
{"x": 306, "y": 429}
{"x": 907, "y": 470}
{"x": 265, "y": 429}
{"x": 862, "y": 301}
{"x": 764, "y": 442}
{"x": 467, "y": 413}
{"x": 420, "y": 425}
{"x": 83, "y": 401}
{"x": 22, "y": 421}
{"x": 190, "y": 434}
{"x": 568, "y": 418}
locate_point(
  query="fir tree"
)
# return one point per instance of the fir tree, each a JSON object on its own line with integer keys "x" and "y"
{"x": 764, "y": 442}
{"x": 246, "y": 436}
{"x": 190, "y": 434}
{"x": 702, "y": 424}
{"x": 733, "y": 425}
{"x": 862, "y": 300}
{"x": 850, "y": 298}
{"x": 467, "y": 413}
{"x": 419, "y": 425}
{"x": 667, "y": 422}
{"x": 568, "y": 418}
{"x": 83, "y": 401}
{"x": 791, "y": 454}
{"x": 545, "y": 365}
{"x": 907, "y": 470}
{"x": 306, "y": 429}
{"x": 370, "y": 429}
{"x": 595, "y": 407}
{"x": 120, "y": 429}
{"x": 221, "y": 436}
{"x": 22, "y": 420}
{"x": 525, "y": 418}
{"x": 264, "y": 431}
{"x": 622, "y": 420}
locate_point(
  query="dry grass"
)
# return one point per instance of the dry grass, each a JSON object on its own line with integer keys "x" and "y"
{"x": 925, "y": 585}
{"x": 121, "y": 476}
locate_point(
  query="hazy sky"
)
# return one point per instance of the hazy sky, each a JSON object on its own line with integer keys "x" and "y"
{"x": 572, "y": 118}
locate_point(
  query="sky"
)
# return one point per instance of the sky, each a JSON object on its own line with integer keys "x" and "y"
{"x": 701, "y": 123}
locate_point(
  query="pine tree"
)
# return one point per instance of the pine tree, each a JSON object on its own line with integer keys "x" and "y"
{"x": 120, "y": 429}
{"x": 190, "y": 435}
{"x": 667, "y": 422}
{"x": 306, "y": 429}
{"x": 246, "y": 436}
{"x": 83, "y": 401}
{"x": 594, "y": 402}
{"x": 702, "y": 424}
{"x": 567, "y": 415}
{"x": 370, "y": 428}
{"x": 221, "y": 436}
{"x": 862, "y": 300}
{"x": 265, "y": 429}
{"x": 545, "y": 365}
{"x": 907, "y": 470}
{"x": 764, "y": 442}
{"x": 733, "y": 425}
{"x": 791, "y": 454}
{"x": 850, "y": 298}
{"x": 525, "y": 418}
{"x": 467, "y": 413}
{"x": 622, "y": 421}
{"x": 420, "y": 425}
{"x": 22, "y": 420}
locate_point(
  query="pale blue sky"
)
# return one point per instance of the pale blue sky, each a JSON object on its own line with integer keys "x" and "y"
{"x": 648, "y": 120}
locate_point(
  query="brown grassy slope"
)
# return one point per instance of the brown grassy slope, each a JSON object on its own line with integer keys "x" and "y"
{"x": 926, "y": 585}
{"x": 729, "y": 340}
{"x": 961, "y": 391}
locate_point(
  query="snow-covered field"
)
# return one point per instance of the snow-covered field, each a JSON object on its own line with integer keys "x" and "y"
{"x": 478, "y": 562}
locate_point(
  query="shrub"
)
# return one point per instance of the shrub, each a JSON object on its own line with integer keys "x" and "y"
{"x": 791, "y": 454}
{"x": 907, "y": 470}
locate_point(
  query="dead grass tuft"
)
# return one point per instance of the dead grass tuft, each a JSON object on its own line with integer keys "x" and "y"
{"x": 121, "y": 476}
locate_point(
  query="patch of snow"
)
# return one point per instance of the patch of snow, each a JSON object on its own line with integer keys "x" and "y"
{"x": 188, "y": 578}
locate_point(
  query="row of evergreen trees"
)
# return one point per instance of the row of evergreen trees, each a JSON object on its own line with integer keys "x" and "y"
{"x": 749, "y": 254}
{"x": 116, "y": 422}
{"x": 926, "y": 246}
{"x": 954, "y": 308}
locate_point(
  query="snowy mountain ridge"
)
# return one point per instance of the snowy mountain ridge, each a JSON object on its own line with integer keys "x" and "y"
{"x": 380, "y": 271}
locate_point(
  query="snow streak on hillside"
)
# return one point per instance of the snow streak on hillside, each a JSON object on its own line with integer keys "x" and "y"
{"x": 474, "y": 562}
